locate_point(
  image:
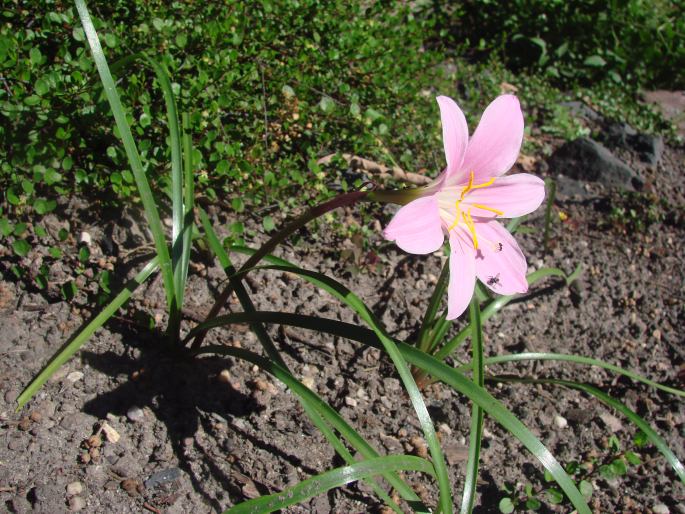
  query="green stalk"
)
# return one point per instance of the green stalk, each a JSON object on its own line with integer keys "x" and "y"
{"x": 476, "y": 432}
{"x": 424, "y": 340}
{"x": 132, "y": 153}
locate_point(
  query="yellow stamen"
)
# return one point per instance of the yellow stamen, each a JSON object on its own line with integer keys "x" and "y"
{"x": 485, "y": 208}
{"x": 466, "y": 216}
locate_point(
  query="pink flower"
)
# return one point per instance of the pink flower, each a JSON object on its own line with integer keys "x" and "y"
{"x": 467, "y": 198}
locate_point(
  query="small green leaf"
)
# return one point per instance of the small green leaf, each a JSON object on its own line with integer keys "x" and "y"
{"x": 237, "y": 228}
{"x": 238, "y": 204}
{"x": 619, "y": 467}
{"x": 145, "y": 120}
{"x": 43, "y": 206}
{"x": 287, "y": 91}
{"x": 633, "y": 458}
{"x": 54, "y": 252}
{"x": 595, "y": 61}
{"x": 533, "y": 504}
{"x": 181, "y": 40}
{"x": 27, "y": 186}
{"x": 555, "y": 496}
{"x": 83, "y": 254}
{"x": 19, "y": 229}
{"x": 640, "y": 440}
{"x": 268, "y": 223}
{"x": 35, "y": 56}
{"x": 110, "y": 40}
{"x": 327, "y": 104}
{"x": 104, "y": 280}
{"x": 585, "y": 489}
{"x": 21, "y": 247}
{"x": 607, "y": 472}
{"x": 506, "y": 506}
{"x": 6, "y": 228}
{"x": 41, "y": 87}
{"x": 40, "y": 231}
{"x": 63, "y": 234}
{"x": 614, "y": 443}
{"x": 69, "y": 290}
{"x": 529, "y": 490}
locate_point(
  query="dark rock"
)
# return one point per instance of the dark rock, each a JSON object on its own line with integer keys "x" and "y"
{"x": 162, "y": 477}
{"x": 618, "y": 134}
{"x": 587, "y": 160}
{"x": 649, "y": 147}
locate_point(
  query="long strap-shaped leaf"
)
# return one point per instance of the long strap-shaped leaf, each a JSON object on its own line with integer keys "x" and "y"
{"x": 270, "y": 348}
{"x": 476, "y": 432}
{"x": 355, "y": 303}
{"x": 312, "y": 399}
{"x": 635, "y": 418}
{"x": 72, "y": 346}
{"x": 576, "y": 359}
{"x": 441, "y": 371}
{"x": 331, "y": 479}
{"x": 366, "y": 336}
{"x": 132, "y": 153}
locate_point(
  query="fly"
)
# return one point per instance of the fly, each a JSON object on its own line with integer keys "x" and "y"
{"x": 494, "y": 281}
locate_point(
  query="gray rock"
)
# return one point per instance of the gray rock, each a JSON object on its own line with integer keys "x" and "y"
{"x": 650, "y": 148}
{"x": 162, "y": 477}
{"x": 587, "y": 160}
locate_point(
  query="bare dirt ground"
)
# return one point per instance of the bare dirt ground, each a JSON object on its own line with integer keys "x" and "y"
{"x": 202, "y": 435}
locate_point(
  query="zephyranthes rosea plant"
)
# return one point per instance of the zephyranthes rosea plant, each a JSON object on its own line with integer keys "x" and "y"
{"x": 465, "y": 202}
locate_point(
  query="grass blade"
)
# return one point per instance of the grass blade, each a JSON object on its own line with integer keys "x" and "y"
{"x": 423, "y": 340}
{"x": 636, "y": 419}
{"x": 147, "y": 199}
{"x": 73, "y": 345}
{"x": 476, "y": 432}
{"x": 331, "y": 479}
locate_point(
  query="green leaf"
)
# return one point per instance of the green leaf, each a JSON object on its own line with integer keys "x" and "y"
{"x": 35, "y": 56}
{"x": 633, "y": 458}
{"x": 506, "y": 506}
{"x": 618, "y": 466}
{"x": 21, "y": 247}
{"x": 83, "y": 254}
{"x": 555, "y": 496}
{"x": 73, "y": 345}
{"x": 331, "y": 479}
{"x": 6, "y": 228}
{"x": 238, "y": 204}
{"x": 68, "y": 290}
{"x": 40, "y": 231}
{"x": 43, "y": 206}
{"x": 41, "y": 87}
{"x": 62, "y": 234}
{"x": 54, "y": 252}
{"x": 268, "y": 223}
{"x": 585, "y": 489}
{"x": 594, "y": 61}
{"x": 533, "y": 504}
{"x": 20, "y": 229}
{"x": 181, "y": 40}
{"x": 327, "y": 104}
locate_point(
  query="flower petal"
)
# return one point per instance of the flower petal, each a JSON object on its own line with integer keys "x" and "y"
{"x": 500, "y": 264}
{"x": 462, "y": 276}
{"x": 416, "y": 227}
{"x": 455, "y": 134}
{"x": 513, "y": 195}
{"x": 495, "y": 144}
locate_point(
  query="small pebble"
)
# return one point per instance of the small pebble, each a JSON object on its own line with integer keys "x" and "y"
{"x": 560, "y": 421}
{"x": 660, "y": 508}
{"x": 135, "y": 414}
{"x": 76, "y": 503}
{"x": 75, "y": 488}
{"x": 350, "y": 402}
{"x": 74, "y": 376}
{"x": 224, "y": 376}
{"x": 308, "y": 382}
{"x": 85, "y": 238}
{"x": 110, "y": 434}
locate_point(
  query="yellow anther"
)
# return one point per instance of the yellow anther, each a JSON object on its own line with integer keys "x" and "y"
{"x": 486, "y": 208}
